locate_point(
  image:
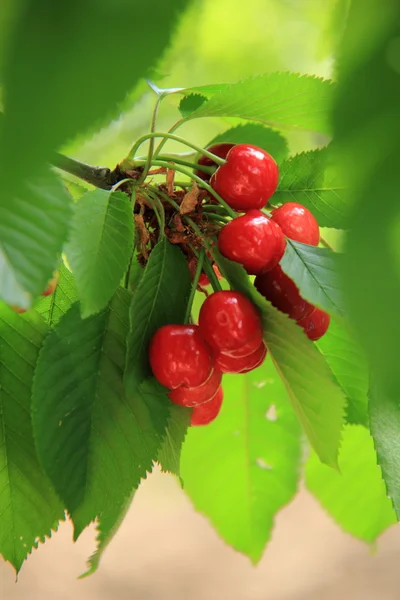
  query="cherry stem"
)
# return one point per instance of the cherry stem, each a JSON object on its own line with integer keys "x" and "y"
{"x": 215, "y": 207}
{"x": 201, "y": 183}
{"x": 208, "y": 268}
{"x": 158, "y": 209}
{"x": 170, "y": 136}
{"x": 195, "y": 282}
{"x": 326, "y": 244}
{"x": 215, "y": 217}
{"x": 186, "y": 163}
{"x": 164, "y": 141}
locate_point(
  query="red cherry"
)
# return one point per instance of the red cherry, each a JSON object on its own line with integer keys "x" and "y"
{"x": 283, "y": 293}
{"x": 229, "y": 322}
{"x": 248, "y": 178}
{"x": 316, "y": 324}
{"x": 220, "y": 150}
{"x": 195, "y": 396}
{"x": 253, "y": 240}
{"x": 297, "y": 223}
{"x": 244, "y": 364}
{"x": 179, "y": 356}
{"x": 207, "y": 412}
{"x": 51, "y": 286}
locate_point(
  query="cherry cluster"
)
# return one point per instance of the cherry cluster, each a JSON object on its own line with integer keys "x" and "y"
{"x": 191, "y": 359}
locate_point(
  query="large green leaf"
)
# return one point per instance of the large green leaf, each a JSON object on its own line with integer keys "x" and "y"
{"x": 367, "y": 126}
{"x": 316, "y": 273}
{"x": 384, "y": 415}
{"x": 34, "y": 223}
{"x": 99, "y": 256}
{"x": 355, "y": 497}
{"x": 244, "y": 467}
{"x": 316, "y": 398}
{"x": 94, "y": 442}
{"x": 161, "y": 297}
{"x": 282, "y": 100}
{"x": 29, "y": 508}
{"x": 313, "y": 180}
{"x": 53, "y": 307}
{"x": 257, "y": 135}
{"x": 349, "y": 366}
{"x": 169, "y": 456}
{"x": 80, "y": 71}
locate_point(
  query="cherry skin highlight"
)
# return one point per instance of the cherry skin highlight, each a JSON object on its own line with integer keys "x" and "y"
{"x": 195, "y": 396}
{"x": 244, "y": 364}
{"x": 220, "y": 150}
{"x": 316, "y": 324}
{"x": 179, "y": 356}
{"x": 229, "y": 322}
{"x": 207, "y": 412}
{"x": 248, "y": 178}
{"x": 283, "y": 293}
{"x": 297, "y": 223}
{"x": 253, "y": 240}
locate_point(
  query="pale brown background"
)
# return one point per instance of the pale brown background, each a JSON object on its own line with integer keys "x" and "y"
{"x": 166, "y": 551}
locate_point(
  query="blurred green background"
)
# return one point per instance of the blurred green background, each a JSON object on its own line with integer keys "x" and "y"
{"x": 225, "y": 41}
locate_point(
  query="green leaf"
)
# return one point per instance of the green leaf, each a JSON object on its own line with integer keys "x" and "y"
{"x": 99, "y": 257}
{"x": 169, "y": 456}
{"x": 384, "y": 417}
{"x": 190, "y": 103}
{"x": 53, "y": 307}
{"x": 367, "y": 125}
{"x": 316, "y": 398}
{"x": 78, "y": 74}
{"x": 348, "y": 364}
{"x": 313, "y": 180}
{"x": 244, "y": 467}
{"x": 282, "y": 100}
{"x": 95, "y": 443}
{"x": 160, "y": 298}
{"x": 33, "y": 227}
{"x": 257, "y": 135}
{"x": 29, "y": 508}
{"x": 356, "y": 496}
{"x": 316, "y": 273}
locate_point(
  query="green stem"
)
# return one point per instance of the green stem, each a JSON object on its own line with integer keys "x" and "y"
{"x": 214, "y": 217}
{"x": 186, "y": 163}
{"x": 215, "y": 207}
{"x": 208, "y": 268}
{"x": 325, "y": 244}
{"x": 200, "y": 181}
{"x": 194, "y": 284}
{"x": 158, "y": 210}
{"x": 161, "y": 145}
{"x": 176, "y": 138}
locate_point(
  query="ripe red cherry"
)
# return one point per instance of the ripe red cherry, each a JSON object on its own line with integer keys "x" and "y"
{"x": 229, "y": 322}
{"x": 253, "y": 240}
{"x": 297, "y": 223}
{"x": 244, "y": 364}
{"x": 195, "y": 396}
{"x": 248, "y": 178}
{"x": 207, "y": 412}
{"x": 179, "y": 356}
{"x": 283, "y": 293}
{"x": 220, "y": 150}
{"x": 316, "y": 324}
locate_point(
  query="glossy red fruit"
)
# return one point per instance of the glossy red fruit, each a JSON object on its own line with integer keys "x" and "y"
{"x": 316, "y": 324}
{"x": 244, "y": 364}
{"x": 254, "y": 241}
{"x": 51, "y": 286}
{"x": 229, "y": 322}
{"x": 220, "y": 150}
{"x": 179, "y": 356}
{"x": 297, "y": 223}
{"x": 207, "y": 412}
{"x": 248, "y": 178}
{"x": 283, "y": 293}
{"x": 195, "y": 396}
